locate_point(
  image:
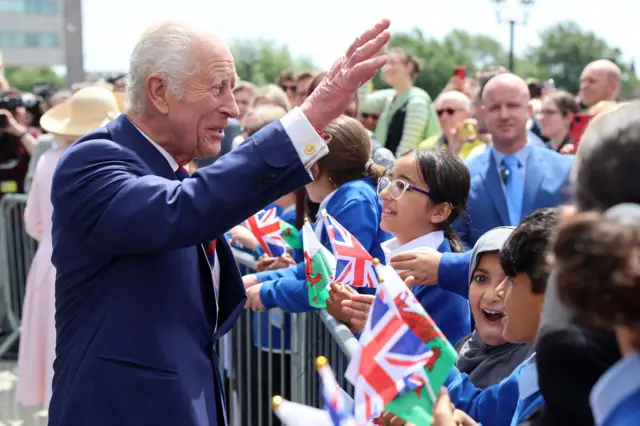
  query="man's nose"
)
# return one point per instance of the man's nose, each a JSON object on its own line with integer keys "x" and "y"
{"x": 230, "y": 106}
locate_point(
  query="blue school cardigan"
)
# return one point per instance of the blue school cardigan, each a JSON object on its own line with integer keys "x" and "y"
{"x": 356, "y": 206}
{"x": 507, "y": 403}
{"x": 615, "y": 398}
{"x": 448, "y": 310}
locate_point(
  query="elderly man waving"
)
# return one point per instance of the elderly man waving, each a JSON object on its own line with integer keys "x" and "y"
{"x": 137, "y": 307}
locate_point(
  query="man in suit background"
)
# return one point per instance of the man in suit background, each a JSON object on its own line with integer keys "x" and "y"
{"x": 512, "y": 179}
{"x": 138, "y": 308}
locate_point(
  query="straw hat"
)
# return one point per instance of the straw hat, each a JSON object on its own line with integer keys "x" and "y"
{"x": 87, "y": 110}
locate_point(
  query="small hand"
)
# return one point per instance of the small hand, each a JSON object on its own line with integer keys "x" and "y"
{"x": 568, "y": 149}
{"x": 267, "y": 263}
{"x": 249, "y": 281}
{"x": 390, "y": 419}
{"x": 357, "y": 308}
{"x": 253, "y": 299}
{"x": 421, "y": 264}
{"x": 12, "y": 126}
{"x": 445, "y": 413}
{"x": 337, "y": 294}
{"x": 338, "y": 88}
{"x": 244, "y": 237}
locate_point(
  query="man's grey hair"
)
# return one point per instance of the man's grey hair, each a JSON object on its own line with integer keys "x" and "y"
{"x": 453, "y": 95}
{"x": 166, "y": 49}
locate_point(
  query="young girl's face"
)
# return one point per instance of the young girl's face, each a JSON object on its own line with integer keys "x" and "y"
{"x": 405, "y": 211}
{"x": 487, "y": 306}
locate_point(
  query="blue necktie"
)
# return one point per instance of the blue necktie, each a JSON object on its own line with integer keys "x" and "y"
{"x": 515, "y": 188}
{"x": 182, "y": 173}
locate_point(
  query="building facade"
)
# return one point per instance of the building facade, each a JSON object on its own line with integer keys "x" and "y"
{"x": 43, "y": 33}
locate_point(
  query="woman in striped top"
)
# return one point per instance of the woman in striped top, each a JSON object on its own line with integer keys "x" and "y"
{"x": 407, "y": 117}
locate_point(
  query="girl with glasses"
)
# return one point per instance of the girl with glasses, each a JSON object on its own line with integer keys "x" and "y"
{"x": 425, "y": 192}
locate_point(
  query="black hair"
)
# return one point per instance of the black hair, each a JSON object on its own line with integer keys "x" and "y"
{"x": 607, "y": 165}
{"x": 449, "y": 181}
{"x": 525, "y": 251}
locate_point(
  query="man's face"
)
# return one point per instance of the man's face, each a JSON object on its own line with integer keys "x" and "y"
{"x": 243, "y": 100}
{"x": 290, "y": 88}
{"x": 451, "y": 113}
{"x": 506, "y": 113}
{"x": 595, "y": 86}
{"x": 302, "y": 89}
{"x": 200, "y": 115}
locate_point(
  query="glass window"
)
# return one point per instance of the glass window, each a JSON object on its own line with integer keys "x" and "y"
{"x": 31, "y": 7}
{"x": 29, "y": 40}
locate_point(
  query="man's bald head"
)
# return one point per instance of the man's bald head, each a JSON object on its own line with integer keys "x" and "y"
{"x": 600, "y": 81}
{"x": 506, "y": 81}
{"x": 505, "y": 100}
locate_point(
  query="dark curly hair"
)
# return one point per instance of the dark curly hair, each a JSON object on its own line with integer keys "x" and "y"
{"x": 598, "y": 263}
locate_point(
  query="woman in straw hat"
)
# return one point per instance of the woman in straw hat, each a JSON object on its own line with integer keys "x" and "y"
{"x": 87, "y": 110}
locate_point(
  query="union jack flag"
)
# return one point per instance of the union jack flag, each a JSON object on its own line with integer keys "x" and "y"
{"x": 354, "y": 265}
{"x": 265, "y": 226}
{"x": 334, "y": 400}
{"x": 389, "y": 361}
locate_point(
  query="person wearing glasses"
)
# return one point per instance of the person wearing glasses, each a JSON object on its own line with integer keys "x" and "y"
{"x": 425, "y": 192}
{"x": 459, "y": 129}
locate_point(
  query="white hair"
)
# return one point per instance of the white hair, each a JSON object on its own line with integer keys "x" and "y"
{"x": 456, "y": 96}
{"x": 166, "y": 49}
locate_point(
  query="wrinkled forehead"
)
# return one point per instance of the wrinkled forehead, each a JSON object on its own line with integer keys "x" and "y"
{"x": 505, "y": 93}
{"x": 216, "y": 62}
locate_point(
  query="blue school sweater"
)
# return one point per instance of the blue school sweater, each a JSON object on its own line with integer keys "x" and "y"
{"x": 357, "y": 207}
{"x": 448, "y": 310}
{"x": 615, "y": 398}
{"x": 507, "y": 403}
{"x": 453, "y": 273}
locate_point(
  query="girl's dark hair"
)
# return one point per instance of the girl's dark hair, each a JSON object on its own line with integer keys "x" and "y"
{"x": 598, "y": 264}
{"x": 565, "y": 102}
{"x": 449, "y": 182}
{"x": 607, "y": 165}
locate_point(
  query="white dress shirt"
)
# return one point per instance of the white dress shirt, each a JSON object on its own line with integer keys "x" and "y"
{"x": 306, "y": 141}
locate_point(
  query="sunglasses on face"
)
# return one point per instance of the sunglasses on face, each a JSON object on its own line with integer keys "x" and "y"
{"x": 448, "y": 111}
{"x": 367, "y": 116}
{"x": 398, "y": 188}
{"x": 286, "y": 88}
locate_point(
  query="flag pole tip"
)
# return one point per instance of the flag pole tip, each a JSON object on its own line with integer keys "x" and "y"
{"x": 321, "y": 362}
{"x": 276, "y": 401}
{"x": 306, "y": 220}
{"x": 376, "y": 261}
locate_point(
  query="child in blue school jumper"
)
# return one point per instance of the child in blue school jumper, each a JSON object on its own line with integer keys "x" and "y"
{"x": 598, "y": 276}
{"x": 524, "y": 261}
{"x": 344, "y": 185}
{"x": 424, "y": 193}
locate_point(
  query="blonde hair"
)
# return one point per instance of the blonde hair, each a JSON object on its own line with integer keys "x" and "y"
{"x": 274, "y": 95}
{"x": 245, "y": 85}
{"x": 263, "y": 115}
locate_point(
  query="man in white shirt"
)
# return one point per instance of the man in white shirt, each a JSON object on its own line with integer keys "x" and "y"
{"x": 138, "y": 309}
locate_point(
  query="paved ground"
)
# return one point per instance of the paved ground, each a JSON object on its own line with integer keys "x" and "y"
{"x": 10, "y": 413}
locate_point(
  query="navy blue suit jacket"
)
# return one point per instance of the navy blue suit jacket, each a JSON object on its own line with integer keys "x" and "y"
{"x": 136, "y": 317}
{"x": 545, "y": 185}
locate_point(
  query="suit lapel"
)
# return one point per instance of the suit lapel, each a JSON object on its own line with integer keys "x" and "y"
{"x": 532, "y": 181}
{"x": 123, "y": 132}
{"x": 493, "y": 187}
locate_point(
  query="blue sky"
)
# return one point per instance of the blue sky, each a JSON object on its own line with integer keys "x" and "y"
{"x": 322, "y": 29}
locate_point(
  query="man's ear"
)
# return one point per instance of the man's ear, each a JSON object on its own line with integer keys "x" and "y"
{"x": 157, "y": 90}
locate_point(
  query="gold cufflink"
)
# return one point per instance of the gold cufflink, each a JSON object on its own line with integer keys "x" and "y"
{"x": 310, "y": 149}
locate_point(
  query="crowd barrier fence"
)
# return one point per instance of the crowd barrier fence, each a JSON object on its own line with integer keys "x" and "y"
{"x": 253, "y": 369}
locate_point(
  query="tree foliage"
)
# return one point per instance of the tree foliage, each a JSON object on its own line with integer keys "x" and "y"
{"x": 562, "y": 52}
{"x": 24, "y": 79}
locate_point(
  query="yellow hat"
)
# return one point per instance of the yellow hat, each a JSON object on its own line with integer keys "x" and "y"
{"x": 87, "y": 110}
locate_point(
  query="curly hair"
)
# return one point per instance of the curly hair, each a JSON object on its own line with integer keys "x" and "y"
{"x": 598, "y": 264}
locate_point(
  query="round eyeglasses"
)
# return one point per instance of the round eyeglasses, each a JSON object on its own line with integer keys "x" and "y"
{"x": 398, "y": 187}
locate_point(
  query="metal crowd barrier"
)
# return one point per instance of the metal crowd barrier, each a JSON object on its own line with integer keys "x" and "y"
{"x": 253, "y": 369}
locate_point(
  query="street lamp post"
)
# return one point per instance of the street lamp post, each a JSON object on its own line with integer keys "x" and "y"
{"x": 511, "y": 18}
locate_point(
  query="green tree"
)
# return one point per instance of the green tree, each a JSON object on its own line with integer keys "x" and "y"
{"x": 261, "y": 61}
{"x": 24, "y": 79}
{"x": 565, "y": 49}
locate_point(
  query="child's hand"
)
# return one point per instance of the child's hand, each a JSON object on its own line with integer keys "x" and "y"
{"x": 357, "y": 309}
{"x": 267, "y": 263}
{"x": 337, "y": 294}
{"x": 445, "y": 413}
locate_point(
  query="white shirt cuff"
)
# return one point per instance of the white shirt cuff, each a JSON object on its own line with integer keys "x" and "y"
{"x": 308, "y": 143}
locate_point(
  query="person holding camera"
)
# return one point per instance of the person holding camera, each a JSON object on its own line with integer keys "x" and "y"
{"x": 16, "y": 144}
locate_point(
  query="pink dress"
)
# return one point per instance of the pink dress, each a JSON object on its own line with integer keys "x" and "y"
{"x": 38, "y": 334}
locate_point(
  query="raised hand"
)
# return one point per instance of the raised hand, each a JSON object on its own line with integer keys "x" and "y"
{"x": 338, "y": 89}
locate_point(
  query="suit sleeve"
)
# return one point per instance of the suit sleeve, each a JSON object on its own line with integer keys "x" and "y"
{"x": 453, "y": 273}
{"x": 103, "y": 190}
{"x": 290, "y": 293}
{"x": 494, "y": 405}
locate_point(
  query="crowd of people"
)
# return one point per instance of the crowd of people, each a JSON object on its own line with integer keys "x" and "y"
{"x": 512, "y": 225}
